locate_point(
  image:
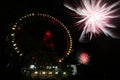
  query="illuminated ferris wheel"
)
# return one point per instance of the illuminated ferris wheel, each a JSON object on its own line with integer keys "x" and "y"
{"x": 41, "y": 35}
{"x": 40, "y": 40}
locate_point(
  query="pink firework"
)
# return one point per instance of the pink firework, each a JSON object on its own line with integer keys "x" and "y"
{"x": 84, "y": 58}
{"x": 95, "y": 15}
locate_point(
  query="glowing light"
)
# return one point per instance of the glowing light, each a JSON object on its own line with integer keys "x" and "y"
{"x": 21, "y": 54}
{"x": 14, "y": 44}
{"x": 15, "y": 25}
{"x": 60, "y": 60}
{"x": 48, "y": 33}
{"x": 96, "y": 17}
{"x": 50, "y": 72}
{"x": 68, "y": 53}
{"x": 16, "y": 48}
{"x": 44, "y": 72}
{"x": 48, "y": 38}
{"x": 24, "y": 71}
{"x": 13, "y": 28}
{"x": 18, "y": 52}
{"x": 36, "y": 72}
{"x": 56, "y": 72}
{"x": 12, "y": 41}
{"x": 32, "y": 66}
{"x": 20, "y": 19}
{"x": 64, "y": 73}
{"x": 84, "y": 58}
{"x": 12, "y": 34}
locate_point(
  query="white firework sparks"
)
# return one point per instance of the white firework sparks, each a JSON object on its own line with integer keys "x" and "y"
{"x": 96, "y": 17}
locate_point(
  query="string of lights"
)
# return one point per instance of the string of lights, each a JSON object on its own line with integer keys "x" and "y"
{"x": 16, "y": 27}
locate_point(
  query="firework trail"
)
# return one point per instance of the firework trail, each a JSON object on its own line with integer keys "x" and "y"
{"x": 95, "y": 15}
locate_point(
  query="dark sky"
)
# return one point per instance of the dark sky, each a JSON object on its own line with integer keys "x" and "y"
{"x": 105, "y": 51}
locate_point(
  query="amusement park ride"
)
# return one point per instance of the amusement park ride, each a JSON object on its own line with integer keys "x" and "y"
{"x": 42, "y": 43}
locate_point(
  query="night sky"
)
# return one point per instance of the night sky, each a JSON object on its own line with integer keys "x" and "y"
{"x": 104, "y": 51}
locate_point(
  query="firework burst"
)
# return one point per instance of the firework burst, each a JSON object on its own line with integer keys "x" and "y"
{"x": 95, "y": 15}
{"x": 83, "y": 58}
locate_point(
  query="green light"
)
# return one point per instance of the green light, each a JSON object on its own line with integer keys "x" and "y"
{"x": 64, "y": 73}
